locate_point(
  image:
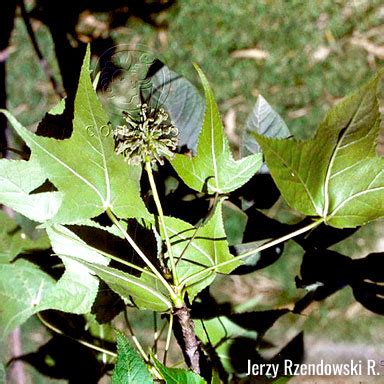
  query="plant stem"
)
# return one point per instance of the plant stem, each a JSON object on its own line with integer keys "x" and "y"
{"x": 272, "y": 243}
{"x": 152, "y": 183}
{"x": 155, "y": 333}
{"x": 188, "y": 343}
{"x": 141, "y": 254}
{"x": 134, "y": 338}
{"x": 82, "y": 342}
{"x": 168, "y": 340}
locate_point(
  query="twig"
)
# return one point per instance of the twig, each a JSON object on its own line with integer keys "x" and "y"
{"x": 191, "y": 347}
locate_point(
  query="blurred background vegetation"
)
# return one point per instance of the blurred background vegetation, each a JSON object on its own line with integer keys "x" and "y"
{"x": 302, "y": 56}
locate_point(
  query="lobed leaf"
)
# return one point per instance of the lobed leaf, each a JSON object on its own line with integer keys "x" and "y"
{"x": 85, "y": 167}
{"x": 337, "y": 175}
{"x": 30, "y": 290}
{"x": 199, "y": 248}
{"x": 213, "y": 169}
{"x": 23, "y": 288}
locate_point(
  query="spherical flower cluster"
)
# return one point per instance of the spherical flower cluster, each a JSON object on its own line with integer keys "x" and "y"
{"x": 148, "y": 136}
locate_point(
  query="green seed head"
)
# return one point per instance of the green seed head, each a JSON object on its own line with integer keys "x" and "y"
{"x": 148, "y": 136}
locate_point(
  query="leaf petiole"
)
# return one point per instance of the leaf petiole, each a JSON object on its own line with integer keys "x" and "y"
{"x": 141, "y": 254}
{"x": 270, "y": 244}
{"x": 152, "y": 183}
{"x": 210, "y": 213}
{"x": 85, "y": 343}
{"x": 134, "y": 338}
{"x": 103, "y": 253}
{"x": 168, "y": 340}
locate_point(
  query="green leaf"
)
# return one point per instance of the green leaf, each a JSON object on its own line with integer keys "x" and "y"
{"x": 17, "y": 179}
{"x": 198, "y": 249}
{"x": 130, "y": 367}
{"x": 13, "y": 240}
{"x": 85, "y": 167}
{"x": 23, "y": 288}
{"x": 76, "y": 290}
{"x": 58, "y": 109}
{"x": 213, "y": 169}
{"x": 146, "y": 291}
{"x": 337, "y": 175}
{"x": 220, "y": 332}
{"x": 183, "y": 103}
{"x": 30, "y": 290}
{"x": 177, "y": 375}
{"x": 265, "y": 121}
{"x": 103, "y": 331}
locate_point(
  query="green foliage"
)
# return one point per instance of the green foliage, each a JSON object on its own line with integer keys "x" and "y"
{"x": 23, "y": 286}
{"x": 13, "y": 240}
{"x": 235, "y": 222}
{"x": 195, "y": 249}
{"x": 337, "y": 174}
{"x": 18, "y": 179}
{"x": 213, "y": 169}
{"x": 177, "y": 375}
{"x": 30, "y": 290}
{"x": 77, "y": 288}
{"x": 102, "y": 179}
{"x": 26, "y": 290}
{"x": 130, "y": 368}
{"x": 145, "y": 292}
{"x": 265, "y": 121}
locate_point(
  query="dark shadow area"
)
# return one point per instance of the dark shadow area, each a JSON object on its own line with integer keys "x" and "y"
{"x": 100, "y": 239}
{"x": 63, "y": 358}
{"x": 244, "y": 348}
{"x": 328, "y": 271}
